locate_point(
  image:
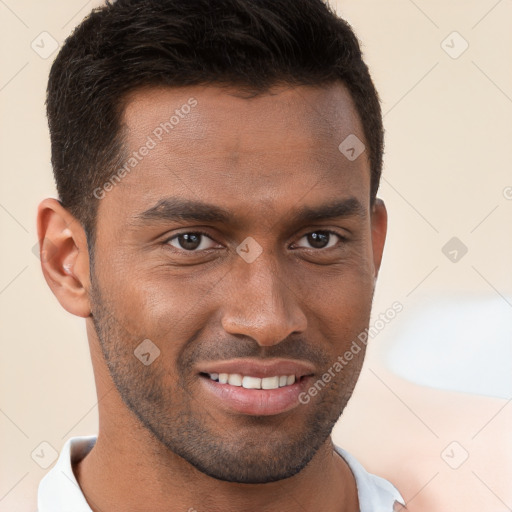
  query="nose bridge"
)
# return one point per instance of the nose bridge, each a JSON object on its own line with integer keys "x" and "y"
{"x": 262, "y": 306}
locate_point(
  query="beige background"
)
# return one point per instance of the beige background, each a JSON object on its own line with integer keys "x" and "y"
{"x": 447, "y": 172}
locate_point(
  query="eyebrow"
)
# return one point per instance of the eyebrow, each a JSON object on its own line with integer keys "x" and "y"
{"x": 179, "y": 209}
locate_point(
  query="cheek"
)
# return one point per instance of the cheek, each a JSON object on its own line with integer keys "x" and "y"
{"x": 164, "y": 308}
{"x": 342, "y": 316}
{"x": 348, "y": 282}
{"x": 337, "y": 301}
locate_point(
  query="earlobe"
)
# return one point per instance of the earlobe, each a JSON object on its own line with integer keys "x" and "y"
{"x": 64, "y": 256}
{"x": 379, "y": 230}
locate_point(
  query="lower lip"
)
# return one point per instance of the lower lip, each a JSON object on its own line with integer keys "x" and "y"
{"x": 256, "y": 402}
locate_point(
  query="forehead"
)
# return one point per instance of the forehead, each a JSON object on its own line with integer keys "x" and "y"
{"x": 296, "y": 115}
{"x": 218, "y": 146}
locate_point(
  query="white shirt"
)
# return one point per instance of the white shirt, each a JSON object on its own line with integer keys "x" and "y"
{"x": 59, "y": 491}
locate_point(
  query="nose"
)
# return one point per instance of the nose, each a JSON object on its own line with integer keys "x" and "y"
{"x": 262, "y": 304}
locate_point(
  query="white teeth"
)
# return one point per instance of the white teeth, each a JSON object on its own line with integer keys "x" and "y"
{"x": 235, "y": 379}
{"x": 248, "y": 382}
{"x": 251, "y": 382}
{"x": 270, "y": 383}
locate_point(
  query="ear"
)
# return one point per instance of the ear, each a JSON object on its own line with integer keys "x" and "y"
{"x": 64, "y": 257}
{"x": 379, "y": 220}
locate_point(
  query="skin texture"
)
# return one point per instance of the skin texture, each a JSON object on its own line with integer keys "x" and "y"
{"x": 163, "y": 443}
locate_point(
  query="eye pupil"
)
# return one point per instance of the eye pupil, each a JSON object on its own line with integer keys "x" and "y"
{"x": 318, "y": 239}
{"x": 190, "y": 241}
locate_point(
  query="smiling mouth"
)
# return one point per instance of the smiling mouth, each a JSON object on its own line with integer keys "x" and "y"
{"x": 250, "y": 382}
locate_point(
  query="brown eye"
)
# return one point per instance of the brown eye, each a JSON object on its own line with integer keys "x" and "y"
{"x": 321, "y": 239}
{"x": 191, "y": 241}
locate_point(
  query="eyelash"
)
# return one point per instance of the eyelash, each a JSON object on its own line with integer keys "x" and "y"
{"x": 166, "y": 242}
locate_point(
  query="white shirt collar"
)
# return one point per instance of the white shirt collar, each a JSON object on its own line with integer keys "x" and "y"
{"x": 59, "y": 490}
{"x": 375, "y": 493}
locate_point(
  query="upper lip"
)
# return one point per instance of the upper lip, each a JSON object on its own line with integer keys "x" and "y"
{"x": 259, "y": 368}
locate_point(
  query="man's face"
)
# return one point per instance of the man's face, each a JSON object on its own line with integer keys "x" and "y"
{"x": 262, "y": 292}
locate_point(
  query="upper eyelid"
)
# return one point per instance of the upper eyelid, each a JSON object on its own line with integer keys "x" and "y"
{"x": 332, "y": 232}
